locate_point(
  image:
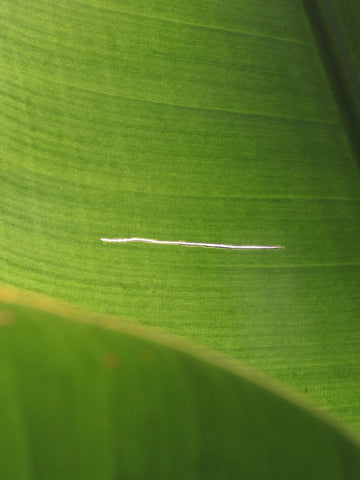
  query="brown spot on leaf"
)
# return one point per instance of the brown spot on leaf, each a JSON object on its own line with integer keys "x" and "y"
{"x": 111, "y": 360}
{"x": 7, "y": 318}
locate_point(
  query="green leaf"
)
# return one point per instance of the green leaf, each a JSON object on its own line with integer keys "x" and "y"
{"x": 340, "y": 50}
{"x": 78, "y": 400}
{"x": 348, "y": 20}
{"x": 199, "y": 121}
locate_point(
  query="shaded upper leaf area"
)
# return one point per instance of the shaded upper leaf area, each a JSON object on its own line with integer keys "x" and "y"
{"x": 79, "y": 401}
{"x": 339, "y": 46}
{"x": 198, "y": 121}
{"x": 348, "y": 19}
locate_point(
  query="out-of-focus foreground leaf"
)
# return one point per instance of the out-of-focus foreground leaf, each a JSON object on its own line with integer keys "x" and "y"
{"x": 206, "y": 121}
{"x": 80, "y": 401}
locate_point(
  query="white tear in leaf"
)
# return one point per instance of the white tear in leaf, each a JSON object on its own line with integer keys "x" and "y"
{"x": 192, "y": 244}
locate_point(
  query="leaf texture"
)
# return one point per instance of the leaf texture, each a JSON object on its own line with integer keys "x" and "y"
{"x": 197, "y": 121}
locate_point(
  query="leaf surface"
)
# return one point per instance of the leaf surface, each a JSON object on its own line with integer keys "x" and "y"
{"x": 79, "y": 400}
{"x": 198, "y": 121}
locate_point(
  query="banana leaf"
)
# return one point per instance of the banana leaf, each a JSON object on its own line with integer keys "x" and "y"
{"x": 233, "y": 122}
{"x": 91, "y": 397}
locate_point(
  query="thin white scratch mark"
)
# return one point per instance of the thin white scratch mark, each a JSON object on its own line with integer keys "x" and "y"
{"x": 193, "y": 244}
